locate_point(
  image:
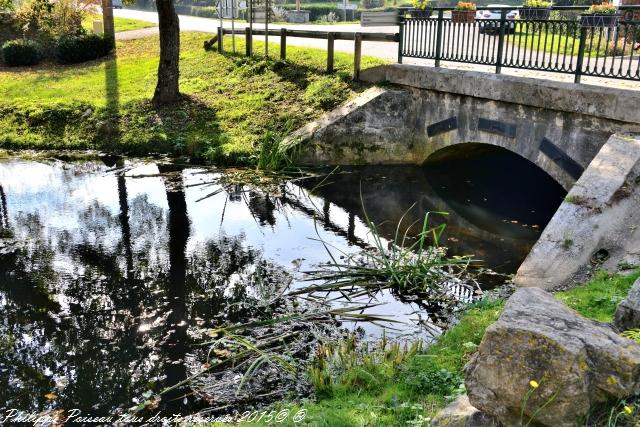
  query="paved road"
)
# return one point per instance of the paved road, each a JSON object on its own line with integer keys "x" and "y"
{"x": 384, "y": 50}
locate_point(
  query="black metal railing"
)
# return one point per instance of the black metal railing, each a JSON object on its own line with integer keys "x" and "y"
{"x": 557, "y": 44}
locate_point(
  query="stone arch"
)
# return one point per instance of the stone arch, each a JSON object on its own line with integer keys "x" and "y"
{"x": 460, "y": 150}
{"x": 406, "y": 125}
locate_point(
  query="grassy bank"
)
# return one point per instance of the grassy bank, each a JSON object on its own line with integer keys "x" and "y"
{"x": 121, "y": 24}
{"x": 231, "y": 104}
{"x": 392, "y": 387}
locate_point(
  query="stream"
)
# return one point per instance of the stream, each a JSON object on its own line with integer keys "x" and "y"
{"x": 113, "y": 272}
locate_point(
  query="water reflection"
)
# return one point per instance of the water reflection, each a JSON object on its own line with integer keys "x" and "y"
{"x": 111, "y": 273}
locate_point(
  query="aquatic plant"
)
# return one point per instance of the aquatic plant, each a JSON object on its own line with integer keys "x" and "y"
{"x": 419, "y": 270}
{"x": 348, "y": 364}
{"x": 271, "y": 156}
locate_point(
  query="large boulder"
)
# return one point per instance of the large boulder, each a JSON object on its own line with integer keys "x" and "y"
{"x": 460, "y": 413}
{"x": 577, "y": 362}
{"x": 628, "y": 312}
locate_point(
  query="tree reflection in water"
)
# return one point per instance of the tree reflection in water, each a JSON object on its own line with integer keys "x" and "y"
{"x": 111, "y": 275}
{"x": 100, "y": 315}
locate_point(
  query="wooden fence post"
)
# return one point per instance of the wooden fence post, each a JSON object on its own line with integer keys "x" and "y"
{"x": 220, "y": 37}
{"x": 248, "y": 41}
{"x": 357, "y": 56}
{"x": 330, "y": 43}
{"x": 283, "y": 43}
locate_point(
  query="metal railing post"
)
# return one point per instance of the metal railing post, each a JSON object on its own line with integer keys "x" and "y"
{"x": 503, "y": 24}
{"x": 580, "y": 60}
{"x": 439, "y": 37}
{"x": 400, "y": 36}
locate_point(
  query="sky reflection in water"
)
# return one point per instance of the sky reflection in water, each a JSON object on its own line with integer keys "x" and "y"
{"x": 107, "y": 280}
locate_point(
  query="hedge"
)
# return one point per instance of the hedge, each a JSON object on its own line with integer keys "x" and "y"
{"x": 72, "y": 49}
{"x": 21, "y": 52}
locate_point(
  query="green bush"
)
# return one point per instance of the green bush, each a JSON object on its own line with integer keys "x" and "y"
{"x": 201, "y": 11}
{"x": 326, "y": 92}
{"x": 21, "y": 52}
{"x": 72, "y": 49}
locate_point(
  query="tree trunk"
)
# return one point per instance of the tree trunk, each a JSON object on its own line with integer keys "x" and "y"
{"x": 167, "y": 90}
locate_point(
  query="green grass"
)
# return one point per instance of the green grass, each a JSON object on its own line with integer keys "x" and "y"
{"x": 374, "y": 391}
{"x": 230, "y": 102}
{"x": 121, "y": 24}
{"x": 600, "y": 297}
{"x": 542, "y": 41}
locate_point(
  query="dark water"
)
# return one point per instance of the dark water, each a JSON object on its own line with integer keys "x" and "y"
{"x": 109, "y": 280}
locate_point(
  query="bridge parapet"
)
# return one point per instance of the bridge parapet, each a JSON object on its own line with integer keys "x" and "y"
{"x": 598, "y": 101}
{"x": 559, "y": 127}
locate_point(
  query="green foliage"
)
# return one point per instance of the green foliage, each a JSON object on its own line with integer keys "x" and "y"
{"x": 371, "y": 4}
{"x": 202, "y": 11}
{"x": 420, "y": 270}
{"x": 71, "y": 49}
{"x": 599, "y": 298}
{"x": 421, "y": 381}
{"x": 422, "y": 376}
{"x": 602, "y": 9}
{"x": 466, "y": 6}
{"x": 452, "y": 350}
{"x": 21, "y": 52}
{"x": 6, "y": 5}
{"x": 632, "y": 334}
{"x": 271, "y": 156}
{"x": 47, "y": 21}
{"x": 421, "y": 4}
{"x": 326, "y": 92}
{"x": 347, "y": 367}
{"x": 536, "y": 3}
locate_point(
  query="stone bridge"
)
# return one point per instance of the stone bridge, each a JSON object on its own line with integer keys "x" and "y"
{"x": 416, "y": 112}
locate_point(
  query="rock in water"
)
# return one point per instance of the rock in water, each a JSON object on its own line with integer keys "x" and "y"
{"x": 577, "y": 362}
{"x": 460, "y": 413}
{"x": 628, "y": 312}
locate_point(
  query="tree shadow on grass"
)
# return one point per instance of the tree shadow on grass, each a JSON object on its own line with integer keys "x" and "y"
{"x": 288, "y": 70}
{"x": 187, "y": 128}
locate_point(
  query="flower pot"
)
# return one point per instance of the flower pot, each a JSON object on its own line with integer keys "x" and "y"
{"x": 535, "y": 13}
{"x": 463, "y": 16}
{"x": 421, "y": 13}
{"x": 599, "y": 20}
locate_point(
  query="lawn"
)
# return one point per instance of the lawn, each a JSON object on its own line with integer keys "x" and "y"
{"x": 231, "y": 103}
{"x": 535, "y": 38}
{"x": 392, "y": 387}
{"x": 121, "y": 24}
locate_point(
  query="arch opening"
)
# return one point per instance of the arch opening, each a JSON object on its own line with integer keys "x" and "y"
{"x": 485, "y": 181}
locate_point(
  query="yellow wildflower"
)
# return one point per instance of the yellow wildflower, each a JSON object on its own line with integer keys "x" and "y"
{"x": 534, "y": 384}
{"x": 628, "y": 409}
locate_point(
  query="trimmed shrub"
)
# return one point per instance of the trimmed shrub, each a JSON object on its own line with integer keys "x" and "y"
{"x": 72, "y": 49}
{"x": 21, "y": 52}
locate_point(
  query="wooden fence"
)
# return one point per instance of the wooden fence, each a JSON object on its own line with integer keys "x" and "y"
{"x": 330, "y": 36}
